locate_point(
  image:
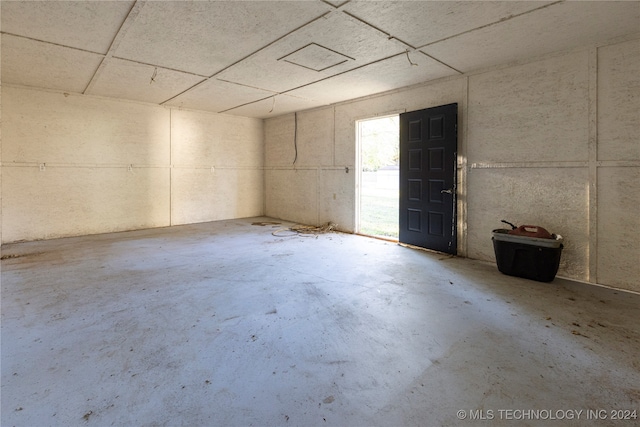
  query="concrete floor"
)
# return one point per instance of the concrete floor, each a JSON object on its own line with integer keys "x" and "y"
{"x": 226, "y": 324}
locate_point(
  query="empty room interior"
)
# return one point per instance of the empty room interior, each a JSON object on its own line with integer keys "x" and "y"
{"x": 181, "y": 214}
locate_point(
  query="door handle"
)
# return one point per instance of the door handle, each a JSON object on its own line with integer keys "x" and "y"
{"x": 448, "y": 191}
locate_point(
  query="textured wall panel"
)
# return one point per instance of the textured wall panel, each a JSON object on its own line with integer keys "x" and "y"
{"x": 45, "y": 127}
{"x": 618, "y": 225}
{"x": 532, "y": 112}
{"x": 619, "y": 101}
{"x": 216, "y": 140}
{"x": 279, "y": 141}
{"x": 555, "y": 199}
{"x": 59, "y": 202}
{"x": 200, "y": 195}
{"x": 336, "y": 203}
{"x": 315, "y": 138}
{"x": 292, "y": 195}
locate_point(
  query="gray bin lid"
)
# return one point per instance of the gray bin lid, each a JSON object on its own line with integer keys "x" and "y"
{"x": 503, "y": 235}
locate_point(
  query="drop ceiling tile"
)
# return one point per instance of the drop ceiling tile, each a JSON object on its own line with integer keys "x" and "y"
{"x": 205, "y": 37}
{"x": 422, "y": 22}
{"x": 555, "y": 28}
{"x": 87, "y": 25}
{"x": 215, "y": 95}
{"x": 355, "y": 43}
{"x": 38, "y": 64}
{"x": 382, "y": 76}
{"x": 130, "y": 80}
{"x": 267, "y": 108}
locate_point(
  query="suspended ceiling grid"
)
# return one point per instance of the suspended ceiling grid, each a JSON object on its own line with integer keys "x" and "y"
{"x": 265, "y": 58}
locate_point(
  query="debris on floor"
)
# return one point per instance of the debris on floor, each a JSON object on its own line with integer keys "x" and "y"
{"x": 574, "y": 332}
{"x": 12, "y": 256}
{"x": 305, "y": 230}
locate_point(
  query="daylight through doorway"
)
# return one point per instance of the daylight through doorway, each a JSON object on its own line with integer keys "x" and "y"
{"x": 378, "y": 201}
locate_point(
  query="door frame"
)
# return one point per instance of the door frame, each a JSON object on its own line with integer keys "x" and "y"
{"x": 463, "y": 165}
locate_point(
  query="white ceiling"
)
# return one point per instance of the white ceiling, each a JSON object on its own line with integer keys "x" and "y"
{"x": 265, "y": 58}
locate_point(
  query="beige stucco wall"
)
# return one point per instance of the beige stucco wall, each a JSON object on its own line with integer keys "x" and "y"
{"x": 320, "y": 186}
{"x": 618, "y": 165}
{"x": 75, "y": 165}
{"x": 528, "y": 152}
{"x": 216, "y": 167}
{"x": 552, "y": 142}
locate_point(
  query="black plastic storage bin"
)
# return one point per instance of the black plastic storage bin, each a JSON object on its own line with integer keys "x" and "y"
{"x": 528, "y": 257}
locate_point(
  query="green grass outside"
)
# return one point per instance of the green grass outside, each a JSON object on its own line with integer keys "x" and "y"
{"x": 379, "y": 214}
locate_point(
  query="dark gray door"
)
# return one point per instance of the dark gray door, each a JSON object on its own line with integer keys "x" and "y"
{"x": 428, "y": 151}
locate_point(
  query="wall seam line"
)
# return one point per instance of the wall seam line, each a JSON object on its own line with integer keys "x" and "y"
{"x": 593, "y": 165}
{"x": 264, "y": 167}
{"x": 170, "y": 167}
{"x": 463, "y": 172}
{"x": 317, "y": 196}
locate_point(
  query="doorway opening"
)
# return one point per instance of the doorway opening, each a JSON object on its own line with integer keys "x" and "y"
{"x": 378, "y": 189}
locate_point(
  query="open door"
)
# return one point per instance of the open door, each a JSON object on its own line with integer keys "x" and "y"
{"x": 428, "y": 156}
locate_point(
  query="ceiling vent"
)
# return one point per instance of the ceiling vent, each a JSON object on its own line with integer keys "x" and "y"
{"x": 315, "y": 57}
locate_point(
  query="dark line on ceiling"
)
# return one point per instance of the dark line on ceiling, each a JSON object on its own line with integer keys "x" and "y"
{"x": 319, "y": 45}
{"x": 247, "y": 103}
{"x": 313, "y": 69}
{"x": 333, "y": 5}
{"x": 402, "y": 41}
{"x": 245, "y": 85}
{"x": 389, "y": 36}
{"x": 52, "y": 43}
{"x": 160, "y": 67}
{"x": 367, "y": 23}
{"x": 507, "y": 18}
{"x": 443, "y": 63}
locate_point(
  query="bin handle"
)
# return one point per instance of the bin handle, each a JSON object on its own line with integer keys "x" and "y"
{"x": 531, "y": 228}
{"x": 513, "y": 227}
